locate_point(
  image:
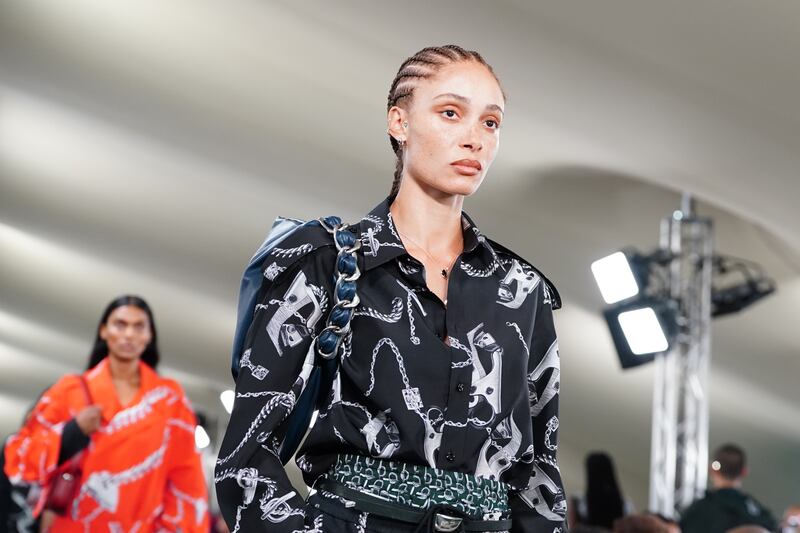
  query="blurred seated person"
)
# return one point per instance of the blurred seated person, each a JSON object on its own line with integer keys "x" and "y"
{"x": 580, "y": 528}
{"x": 603, "y": 502}
{"x": 645, "y": 523}
{"x": 791, "y": 520}
{"x": 726, "y": 506}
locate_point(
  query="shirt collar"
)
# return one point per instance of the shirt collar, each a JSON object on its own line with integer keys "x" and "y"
{"x": 104, "y": 392}
{"x": 380, "y": 241}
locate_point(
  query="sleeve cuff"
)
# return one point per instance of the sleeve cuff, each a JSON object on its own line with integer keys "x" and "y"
{"x": 73, "y": 440}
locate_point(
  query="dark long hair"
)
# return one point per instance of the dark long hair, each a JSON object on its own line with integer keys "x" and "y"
{"x": 100, "y": 349}
{"x": 604, "y": 502}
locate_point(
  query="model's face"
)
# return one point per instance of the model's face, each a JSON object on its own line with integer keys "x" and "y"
{"x": 127, "y": 332}
{"x": 453, "y": 133}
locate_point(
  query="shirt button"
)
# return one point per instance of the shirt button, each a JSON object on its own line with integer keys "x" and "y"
{"x": 460, "y": 387}
{"x": 450, "y": 456}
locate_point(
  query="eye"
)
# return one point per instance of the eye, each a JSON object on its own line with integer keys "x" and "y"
{"x": 492, "y": 124}
{"x": 449, "y": 113}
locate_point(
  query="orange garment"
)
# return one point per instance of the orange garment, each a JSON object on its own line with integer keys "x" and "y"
{"x": 141, "y": 471}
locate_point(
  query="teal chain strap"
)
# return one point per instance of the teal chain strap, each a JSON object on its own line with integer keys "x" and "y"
{"x": 346, "y": 299}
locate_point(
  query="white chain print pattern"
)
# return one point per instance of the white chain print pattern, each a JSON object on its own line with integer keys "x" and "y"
{"x": 412, "y": 297}
{"x": 259, "y": 372}
{"x": 481, "y": 272}
{"x": 552, "y": 426}
{"x": 291, "y": 252}
{"x": 397, "y": 356}
{"x": 390, "y": 223}
{"x": 199, "y": 504}
{"x": 521, "y": 338}
{"x": 103, "y": 486}
{"x": 392, "y": 317}
{"x": 376, "y": 221}
{"x": 258, "y": 394}
{"x": 141, "y": 410}
{"x": 285, "y": 400}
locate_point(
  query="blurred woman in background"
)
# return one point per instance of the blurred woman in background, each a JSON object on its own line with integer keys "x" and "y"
{"x": 130, "y": 431}
{"x": 603, "y": 502}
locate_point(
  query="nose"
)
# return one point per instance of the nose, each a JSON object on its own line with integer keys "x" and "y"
{"x": 472, "y": 140}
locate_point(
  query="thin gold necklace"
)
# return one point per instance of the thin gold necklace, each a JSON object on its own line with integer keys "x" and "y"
{"x": 444, "y": 271}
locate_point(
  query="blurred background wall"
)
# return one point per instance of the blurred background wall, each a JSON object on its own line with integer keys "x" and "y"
{"x": 146, "y": 147}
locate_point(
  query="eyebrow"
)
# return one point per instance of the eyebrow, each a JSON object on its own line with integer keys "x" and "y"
{"x": 465, "y": 100}
{"x": 134, "y": 322}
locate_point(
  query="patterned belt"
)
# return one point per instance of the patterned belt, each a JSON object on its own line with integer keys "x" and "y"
{"x": 421, "y": 487}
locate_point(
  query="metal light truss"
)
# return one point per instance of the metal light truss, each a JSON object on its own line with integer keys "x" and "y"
{"x": 679, "y": 446}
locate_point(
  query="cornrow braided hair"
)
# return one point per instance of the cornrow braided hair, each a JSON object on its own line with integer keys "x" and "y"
{"x": 423, "y": 65}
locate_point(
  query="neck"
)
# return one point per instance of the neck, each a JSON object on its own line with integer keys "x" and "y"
{"x": 727, "y": 483}
{"x": 124, "y": 369}
{"x": 431, "y": 218}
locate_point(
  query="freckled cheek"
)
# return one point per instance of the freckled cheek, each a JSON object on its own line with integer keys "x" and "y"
{"x": 439, "y": 134}
{"x": 433, "y": 143}
{"x": 492, "y": 145}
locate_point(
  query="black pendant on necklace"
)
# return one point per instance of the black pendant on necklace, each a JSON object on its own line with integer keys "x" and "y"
{"x": 444, "y": 273}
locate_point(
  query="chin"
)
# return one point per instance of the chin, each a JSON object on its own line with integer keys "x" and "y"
{"x": 466, "y": 187}
{"x": 128, "y": 356}
{"x": 450, "y": 183}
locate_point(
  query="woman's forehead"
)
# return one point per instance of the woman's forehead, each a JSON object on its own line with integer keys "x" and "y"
{"x": 468, "y": 79}
{"x": 129, "y": 313}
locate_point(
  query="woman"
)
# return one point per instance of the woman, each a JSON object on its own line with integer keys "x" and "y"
{"x": 604, "y": 502}
{"x": 444, "y": 412}
{"x": 140, "y": 468}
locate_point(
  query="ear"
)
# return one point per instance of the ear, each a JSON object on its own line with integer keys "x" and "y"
{"x": 395, "y": 119}
{"x": 102, "y": 332}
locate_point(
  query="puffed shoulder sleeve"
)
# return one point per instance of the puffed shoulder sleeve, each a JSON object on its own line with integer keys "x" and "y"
{"x": 33, "y": 452}
{"x": 253, "y": 489}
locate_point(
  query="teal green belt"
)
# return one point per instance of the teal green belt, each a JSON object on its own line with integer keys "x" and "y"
{"x": 422, "y": 487}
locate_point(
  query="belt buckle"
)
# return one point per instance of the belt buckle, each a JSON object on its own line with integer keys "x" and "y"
{"x": 443, "y": 522}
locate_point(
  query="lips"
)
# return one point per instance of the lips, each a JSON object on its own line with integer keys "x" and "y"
{"x": 467, "y": 167}
{"x": 469, "y": 163}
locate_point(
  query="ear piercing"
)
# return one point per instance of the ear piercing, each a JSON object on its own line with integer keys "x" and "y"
{"x": 401, "y": 142}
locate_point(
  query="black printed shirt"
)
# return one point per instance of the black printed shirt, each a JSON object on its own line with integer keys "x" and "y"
{"x": 471, "y": 386}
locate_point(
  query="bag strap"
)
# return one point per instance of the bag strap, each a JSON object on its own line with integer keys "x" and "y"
{"x": 87, "y": 393}
{"x": 346, "y": 299}
{"x": 75, "y": 461}
{"x": 330, "y": 339}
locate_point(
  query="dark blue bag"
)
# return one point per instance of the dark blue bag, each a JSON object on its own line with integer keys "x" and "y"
{"x": 328, "y": 342}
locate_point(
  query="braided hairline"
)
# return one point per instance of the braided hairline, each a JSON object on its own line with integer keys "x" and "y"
{"x": 423, "y": 65}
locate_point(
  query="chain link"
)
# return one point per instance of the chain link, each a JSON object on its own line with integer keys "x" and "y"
{"x": 397, "y": 356}
{"x": 341, "y": 277}
{"x": 519, "y": 333}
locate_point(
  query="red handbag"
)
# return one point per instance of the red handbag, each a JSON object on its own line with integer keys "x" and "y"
{"x": 64, "y": 483}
